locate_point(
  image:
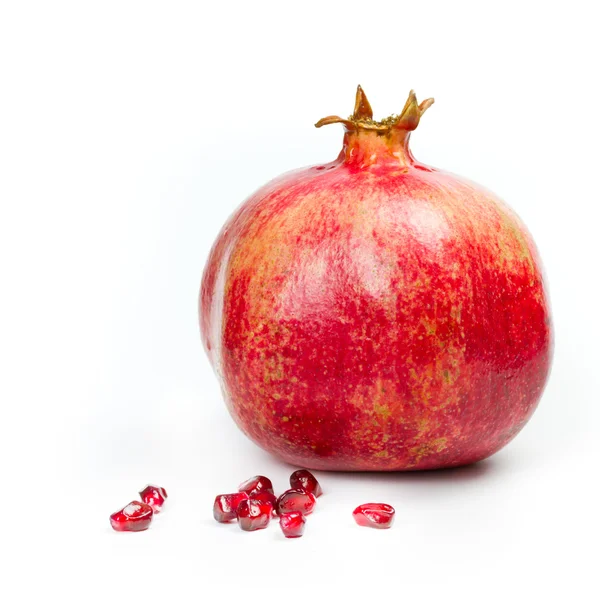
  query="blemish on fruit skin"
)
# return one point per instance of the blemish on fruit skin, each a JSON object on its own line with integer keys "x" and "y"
{"x": 408, "y": 344}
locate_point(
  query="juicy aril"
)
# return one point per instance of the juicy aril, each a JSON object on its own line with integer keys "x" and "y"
{"x": 374, "y": 313}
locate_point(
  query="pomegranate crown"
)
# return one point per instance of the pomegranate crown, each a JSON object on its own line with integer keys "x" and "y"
{"x": 362, "y": 117}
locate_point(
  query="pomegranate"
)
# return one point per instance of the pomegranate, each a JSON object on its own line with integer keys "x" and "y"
{"x": 295, "y": 501}
{"x": 305, "y": 480}
{"x": 253, "y": 514}
{"x": 154, "y": 496}
{"x": 374, "y": 313}
{"x": 136, "y": 516}
{"x": 292, "y": 524}
{"x": 226, "y": 505}
{"x": 374, "y": 515}
{"x": 266, "y": 497}
{"x": 255, "y": 485}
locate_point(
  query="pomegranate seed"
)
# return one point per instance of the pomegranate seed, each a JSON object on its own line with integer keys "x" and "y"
{"x": 305, "y": 480}
{"x": 136, "y": 516}
{"x": 377, "y": 516}
{"x": 253, "y": 514}
{"x": 154, "y": 496}
{"x": 295, "y": 501}
{"x": 226, "y": 505}
{"x": 266, "y": 497}
{"x": 292, "y": 524}
{"x": 257, "y": 484}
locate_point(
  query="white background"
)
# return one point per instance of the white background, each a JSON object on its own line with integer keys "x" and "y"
{"x": 129, "y": 131}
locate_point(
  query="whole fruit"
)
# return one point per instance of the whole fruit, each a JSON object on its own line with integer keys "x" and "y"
{"x": 374, "y": 313}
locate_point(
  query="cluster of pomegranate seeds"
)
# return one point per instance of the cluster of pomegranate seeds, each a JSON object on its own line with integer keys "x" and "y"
{"x": 305, "y": 480}
{"x": 292, "y": 524}
{"x": 253, "y": 514}
{"x": 137, "y": 516}
{"x": 255, "y": 504}
{"x": 377, "y": 516}
{"x": 154, "y": 496}
{"x": 226, "y": 506}
{"x": 295, "y": 501}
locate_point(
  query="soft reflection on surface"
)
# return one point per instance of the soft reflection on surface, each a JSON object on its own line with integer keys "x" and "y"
{"x": 308, "y": 289}
{"x": 418, "y": 218}
{"x": 372, "y": 273}
{"x": 428, "y": 225}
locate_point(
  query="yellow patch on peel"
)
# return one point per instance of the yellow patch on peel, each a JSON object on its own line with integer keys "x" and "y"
{"x": 427, "y": 448}
{"x": 382, "y": 410}
{"x": 382, "y": 454}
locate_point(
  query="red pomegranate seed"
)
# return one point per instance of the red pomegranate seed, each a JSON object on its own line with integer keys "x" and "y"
{"x": 305, "y": 480}
{"x": 292, "y": 524}
{"x": 377, "y": 516}
{"x": 136, "y": 516}
{"x": 266, "y": 497}
{"x": 154, "y": 496}
{"x": 226, "y": 505}
{"x": 253, "y": 514}
{"x": 295, "y": 501}
{"x": 257, "y": 484}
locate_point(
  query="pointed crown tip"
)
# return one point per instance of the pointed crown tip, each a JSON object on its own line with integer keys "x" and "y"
{"x": 362, "y": 117}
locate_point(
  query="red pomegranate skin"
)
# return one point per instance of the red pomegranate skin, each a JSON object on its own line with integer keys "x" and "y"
{"x": 375, "y": 313}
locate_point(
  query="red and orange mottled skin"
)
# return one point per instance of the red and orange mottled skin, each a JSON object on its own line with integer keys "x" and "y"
{"x": 374, "y": 313}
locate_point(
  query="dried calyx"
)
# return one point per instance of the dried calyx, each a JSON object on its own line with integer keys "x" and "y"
{"x": 362, "y": 117}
